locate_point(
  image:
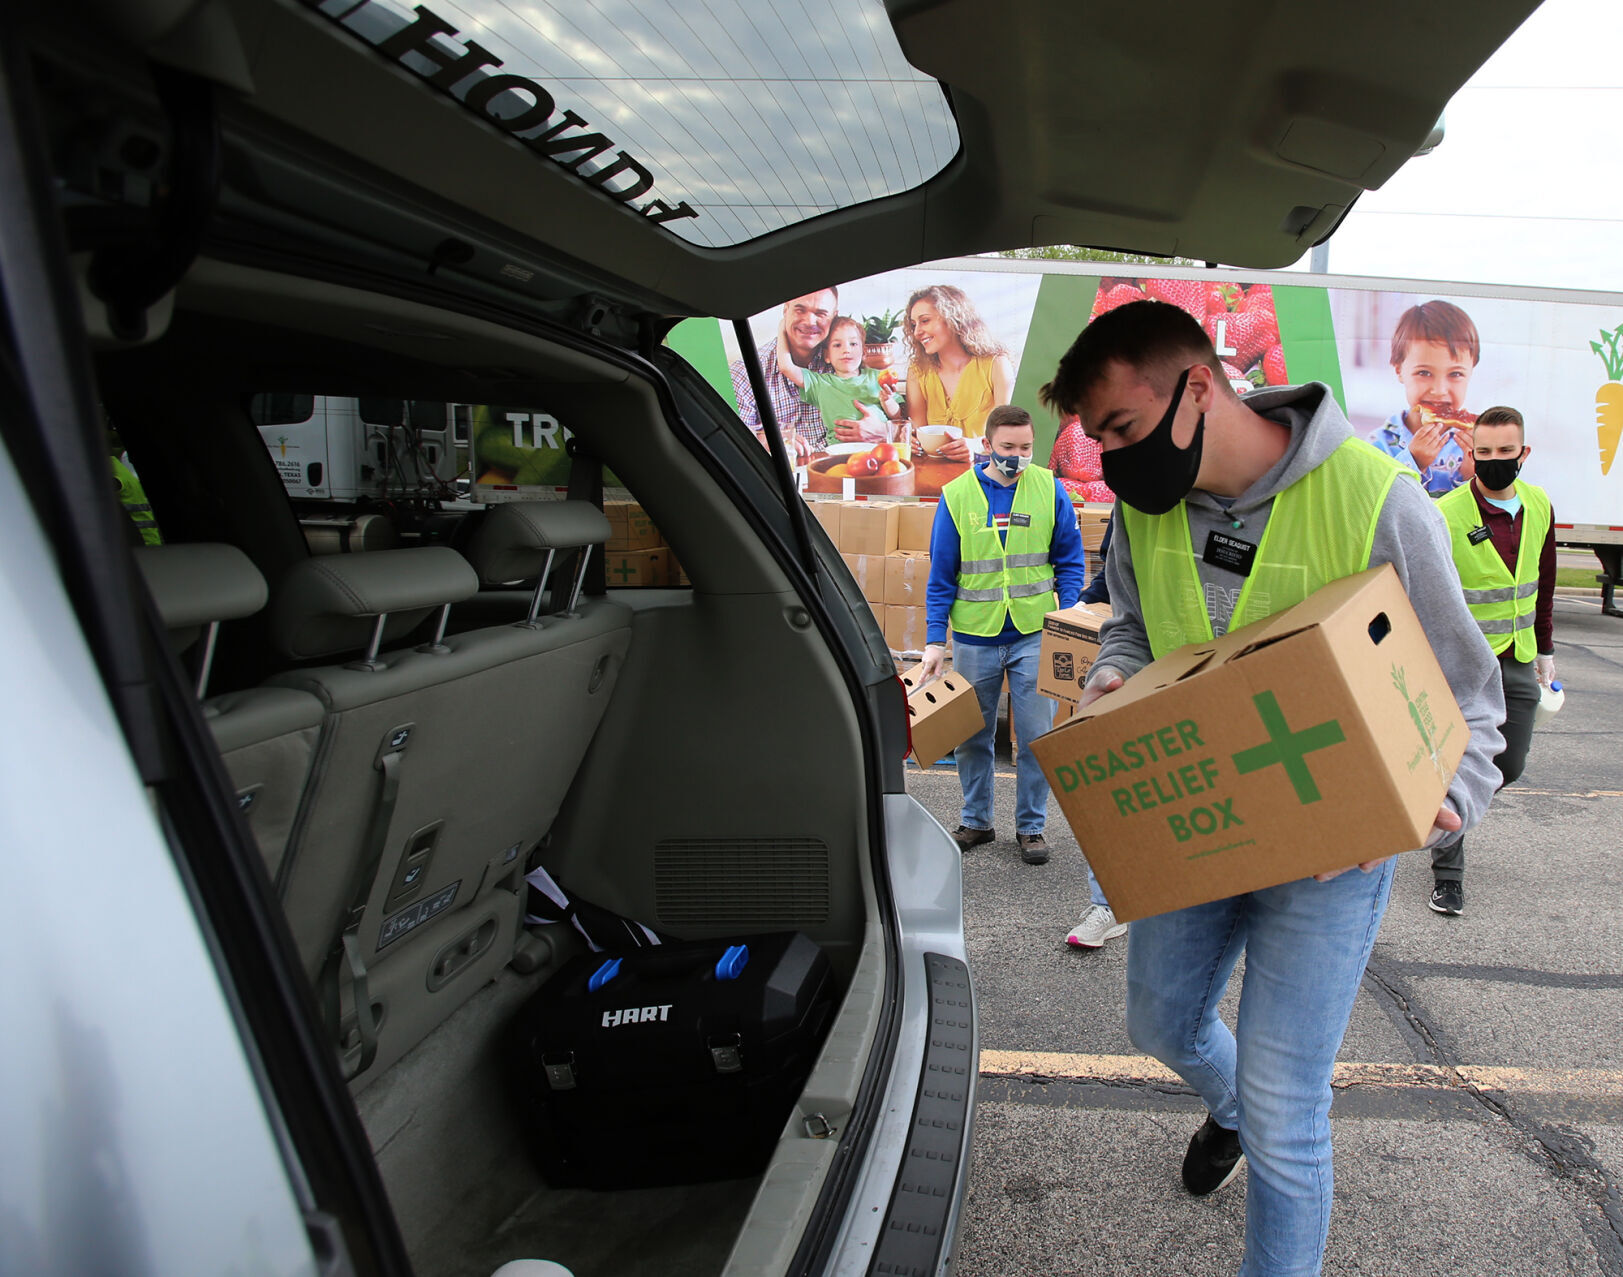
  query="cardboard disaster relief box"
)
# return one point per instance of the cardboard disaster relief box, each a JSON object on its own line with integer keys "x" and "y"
{"x": 942, "y": 714}
{"x": 636, "y": 553}
{"x": 1317, "y": 738}
{"x": 1070, "y": 642}
{"x": 630, "y": 528}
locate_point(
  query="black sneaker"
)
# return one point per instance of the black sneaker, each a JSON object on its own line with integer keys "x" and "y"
{"x": 1213, "y": 1159}
{"x": 966, "y": 837}
{"x": 1447, "y": 897}
{"x": 1033, "y": 848}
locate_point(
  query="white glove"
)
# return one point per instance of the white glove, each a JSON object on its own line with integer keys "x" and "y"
{"x": 1544, "y": 669}
{"x": 934, "y": 655}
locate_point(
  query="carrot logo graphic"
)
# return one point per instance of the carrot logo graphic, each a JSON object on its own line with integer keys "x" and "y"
{"x": 1609, "y": 398}
{"x": 1425, "y": 723}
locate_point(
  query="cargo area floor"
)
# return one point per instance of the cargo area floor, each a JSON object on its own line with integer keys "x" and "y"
{"x": 467, "y": 1196}
{"x": 651, "y": 1232}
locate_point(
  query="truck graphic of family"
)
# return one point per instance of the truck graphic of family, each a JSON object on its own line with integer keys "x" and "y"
{"x": 831, "y": 382}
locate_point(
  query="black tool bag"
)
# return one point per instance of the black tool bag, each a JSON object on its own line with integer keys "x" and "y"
{"x": 672, "y": 1064}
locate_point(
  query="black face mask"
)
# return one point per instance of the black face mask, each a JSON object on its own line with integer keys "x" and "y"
{"x": 1154, "y": 474}
{"x": 1498, "y": 474}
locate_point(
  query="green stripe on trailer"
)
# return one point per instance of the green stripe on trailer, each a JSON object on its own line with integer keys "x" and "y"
{"x": 1308, "y": 338}
{"x": 699, "y": 342}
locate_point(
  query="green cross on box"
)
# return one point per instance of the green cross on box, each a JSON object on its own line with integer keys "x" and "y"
{"x": 1288, "y": 748}
{"x": 624, "y": 570}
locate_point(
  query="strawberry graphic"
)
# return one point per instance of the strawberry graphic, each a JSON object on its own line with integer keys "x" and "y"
{"x": 1260, "y": 303}
{"x": 1248, "y": 335}
{"x": 1120, "y": 295}
{"x": 1273, "y": 367}
{"x": 1237, "y": 379}
{"x": 1186, "y": 294}
{"x": 1222, "y": 298}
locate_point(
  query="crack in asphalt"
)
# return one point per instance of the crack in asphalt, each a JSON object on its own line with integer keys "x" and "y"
{"x": 1530, "y": 976}
{"x": 1565, "y": 1153}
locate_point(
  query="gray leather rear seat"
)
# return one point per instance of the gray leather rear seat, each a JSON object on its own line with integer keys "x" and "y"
{"x": 478, "y": 735}
{"x": 267, "y": 736}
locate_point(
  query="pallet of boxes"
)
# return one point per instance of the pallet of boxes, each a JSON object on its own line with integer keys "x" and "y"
{"x": 636, "y": 554}
{"x": 886, "y": 544}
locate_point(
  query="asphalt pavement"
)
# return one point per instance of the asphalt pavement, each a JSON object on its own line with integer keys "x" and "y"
{"x": 1478, "y": 1120}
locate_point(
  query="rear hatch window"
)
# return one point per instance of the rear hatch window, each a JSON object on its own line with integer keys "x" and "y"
{"x": 719, "y": 121}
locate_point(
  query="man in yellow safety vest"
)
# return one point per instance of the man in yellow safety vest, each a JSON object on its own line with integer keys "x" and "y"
{"x": 1229, "y": 510}
{"x": 1004, "y": 552}
{"x": 132, "y": 496}
{"x": 1502, "y": 533}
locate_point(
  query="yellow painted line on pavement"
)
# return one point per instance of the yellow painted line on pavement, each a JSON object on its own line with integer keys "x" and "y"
{"x": 1562, "y": 793}
{"x": 1140, "y": 1068}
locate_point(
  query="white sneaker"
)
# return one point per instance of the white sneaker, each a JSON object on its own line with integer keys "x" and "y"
{"x": 1098, "y": 925}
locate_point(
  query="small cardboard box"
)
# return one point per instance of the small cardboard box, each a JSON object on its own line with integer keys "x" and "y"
{"x": 1070, "y": 642}
{"x": 904, "y": 628}
{"x": 636, "y": 567}
{"x": 914, "y": 526}
{"x": 869, "y": 570}
{"x": 868, "y": 527}
{"x": 906, "y": 575}
{"x": 828, "y": 514}
{"x": 630, "y": 528}
{"x": 943, "y": 714}
{"x": 1317, "y": 738}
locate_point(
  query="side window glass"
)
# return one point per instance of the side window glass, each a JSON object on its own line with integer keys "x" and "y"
{"x": 280, "y": 410}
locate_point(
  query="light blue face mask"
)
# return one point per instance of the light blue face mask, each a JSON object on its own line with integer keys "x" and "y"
{"x": 1009, "y": 467}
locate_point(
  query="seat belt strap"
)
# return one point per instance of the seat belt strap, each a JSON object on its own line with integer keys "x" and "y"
{"x": 350, "y": 974}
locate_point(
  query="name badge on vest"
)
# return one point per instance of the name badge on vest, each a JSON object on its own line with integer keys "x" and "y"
{"x": 1478, "y": 534}
{"x": 1019, "y": 520}
{"x": 1224, "y": 551}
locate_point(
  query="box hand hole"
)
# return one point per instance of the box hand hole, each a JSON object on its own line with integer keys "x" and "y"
{"x": 1379, "y": 628}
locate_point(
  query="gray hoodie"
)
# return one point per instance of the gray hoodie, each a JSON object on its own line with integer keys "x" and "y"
{"x": 1410, "y": 535}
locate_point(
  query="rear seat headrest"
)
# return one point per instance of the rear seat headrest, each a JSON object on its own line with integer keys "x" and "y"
{"x": 328, "y": 606}
{"x": 511, "y": 543}
{"x": 194, "y": 584}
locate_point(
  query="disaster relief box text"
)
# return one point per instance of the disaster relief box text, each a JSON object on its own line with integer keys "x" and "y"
{"x": 1317, "y": 738}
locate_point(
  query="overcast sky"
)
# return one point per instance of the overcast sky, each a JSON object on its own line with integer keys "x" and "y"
{"x": 1527, "y": 187}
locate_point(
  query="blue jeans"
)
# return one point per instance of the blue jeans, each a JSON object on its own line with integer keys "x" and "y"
{"x": 1305, "y": 944}
{"x": 985, "y": 666}
{"x": 1096, "y": 893}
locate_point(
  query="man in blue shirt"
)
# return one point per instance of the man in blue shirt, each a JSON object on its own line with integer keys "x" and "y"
{"x": 1004, "y": 551}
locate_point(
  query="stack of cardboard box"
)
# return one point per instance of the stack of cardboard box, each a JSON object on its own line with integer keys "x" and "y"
{"x": 636, "y": 553}
{"x": 886, "y": 544}
{"x": 1092, "y": 518}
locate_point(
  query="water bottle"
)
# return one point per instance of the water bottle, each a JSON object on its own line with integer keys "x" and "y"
{"x": 1550, "y": 699}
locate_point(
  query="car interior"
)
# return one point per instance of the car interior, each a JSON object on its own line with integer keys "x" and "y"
{"x": 685, "y": 757}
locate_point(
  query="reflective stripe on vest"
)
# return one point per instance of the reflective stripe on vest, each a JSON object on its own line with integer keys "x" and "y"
{"x": 998, "y": 580}
{"x": 133, "y": 497}
{"x": 1319, "y": 529}
{"x": 1503, "y": 606}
